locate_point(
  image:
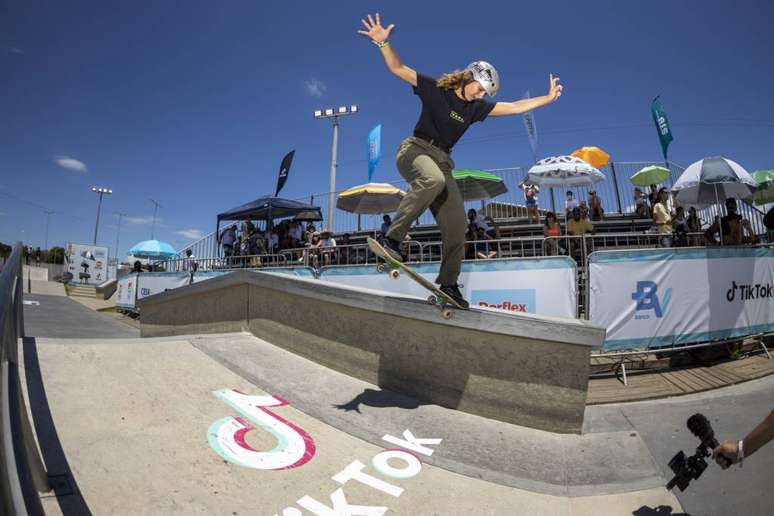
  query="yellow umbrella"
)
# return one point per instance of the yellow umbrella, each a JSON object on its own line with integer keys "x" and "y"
{"x": 371, "y": 198}
{"x": 594, "y": 156}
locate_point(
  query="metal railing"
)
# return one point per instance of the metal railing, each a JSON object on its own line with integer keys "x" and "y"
{"x": 21, "y": 467}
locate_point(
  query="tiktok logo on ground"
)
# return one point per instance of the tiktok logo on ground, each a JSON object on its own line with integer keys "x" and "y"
{"x": 647, "y": 299}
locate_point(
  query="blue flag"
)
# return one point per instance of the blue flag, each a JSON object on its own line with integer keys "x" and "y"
{"x": 662, "y": 125}
{"x": 374, "y": 149}
{"x": 529, "y": 125}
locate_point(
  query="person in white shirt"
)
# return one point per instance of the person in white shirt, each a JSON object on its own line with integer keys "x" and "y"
{"x": 327, "y": 245}
{"x": 570, "y": 204}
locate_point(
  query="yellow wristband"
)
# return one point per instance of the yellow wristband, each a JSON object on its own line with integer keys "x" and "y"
{"x": 382, "y": 44}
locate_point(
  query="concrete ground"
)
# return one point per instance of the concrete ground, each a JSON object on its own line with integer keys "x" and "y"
{"x": 123, "y": 424}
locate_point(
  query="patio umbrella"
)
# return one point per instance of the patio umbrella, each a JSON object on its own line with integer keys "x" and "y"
{"x": 152, "y": 249}
{"x": 371, "y": 198}
{"x": 475, "y": 185}
{"x": 765, "y": 192}
{"x": 651, "y": 175}
{"x": 564, "y": 171}
{"x": 594, "y": 156}
{"x": 713, "y": 179}
{"x": 308, "y": 216}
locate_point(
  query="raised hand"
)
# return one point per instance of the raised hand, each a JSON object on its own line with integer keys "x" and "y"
{"x": 375, "y": 31}
{"x": 554, "y": 88}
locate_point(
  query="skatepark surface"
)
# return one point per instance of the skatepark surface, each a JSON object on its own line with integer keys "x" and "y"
{"x": 123, "y": 423}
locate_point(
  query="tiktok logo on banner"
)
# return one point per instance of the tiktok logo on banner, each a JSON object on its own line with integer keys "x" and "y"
{"x": 647, "y": 299}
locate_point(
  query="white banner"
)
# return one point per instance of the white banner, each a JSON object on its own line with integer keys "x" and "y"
{"x": 125, "y": 291}
{"x": 545, "y": 286}
{"x": 680, "y": 296}
{"x": 87, "y": 264}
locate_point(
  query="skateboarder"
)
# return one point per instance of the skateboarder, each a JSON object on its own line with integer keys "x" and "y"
{"x": 449, "y": 106}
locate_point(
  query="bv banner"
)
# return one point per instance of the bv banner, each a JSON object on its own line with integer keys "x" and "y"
{"x": 681, "y": 296}
{"x": 662, "y": 125}
{"x": 87, "y": 263}
{"x": 543, "y": 286}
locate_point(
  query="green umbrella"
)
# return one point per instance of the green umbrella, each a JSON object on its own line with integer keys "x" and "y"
{"x": 477, "y": 184}
{"x": 651, "y": 175}
{"x": 765, "y": 192}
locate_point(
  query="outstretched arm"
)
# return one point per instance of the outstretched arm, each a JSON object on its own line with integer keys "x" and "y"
{"x": 380, "y": 37}
{"x": 522, "y": 106}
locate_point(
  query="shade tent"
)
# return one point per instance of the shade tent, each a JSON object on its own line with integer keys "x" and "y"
{"x": 267, "y": 208}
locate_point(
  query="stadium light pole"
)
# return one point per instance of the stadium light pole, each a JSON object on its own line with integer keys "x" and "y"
{"x": 156, "y": 207}
{"x": 48, "y": 217}
{"x": 118, "y": 233}
{"x": 101, "y": 192}
{"x": 333, "y": 115}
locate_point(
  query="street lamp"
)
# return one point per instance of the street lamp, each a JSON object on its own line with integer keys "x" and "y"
{"x": 101, "y": 192}
{"x": 118, "y": 233}
{"x": 48, "y": 216}
{"x": 334, "y": 115}
{"x": 156, "y": 207}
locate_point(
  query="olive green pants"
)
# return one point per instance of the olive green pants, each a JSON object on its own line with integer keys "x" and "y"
{"x": 428, "y": 171}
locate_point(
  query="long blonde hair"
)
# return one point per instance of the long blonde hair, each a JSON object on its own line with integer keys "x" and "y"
{"x": 455, "y": 79}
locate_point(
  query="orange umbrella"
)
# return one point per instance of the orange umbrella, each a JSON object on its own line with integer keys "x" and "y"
{"x": 594, "y": 156}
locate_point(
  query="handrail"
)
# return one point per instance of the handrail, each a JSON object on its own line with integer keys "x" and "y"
{"x": 21, "y": 467}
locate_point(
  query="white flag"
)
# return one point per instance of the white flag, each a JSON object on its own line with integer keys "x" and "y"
{"x": 529, "y": 124}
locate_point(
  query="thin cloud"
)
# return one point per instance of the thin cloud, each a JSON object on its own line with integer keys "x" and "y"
{"x": 71, "y": 164}
{"x": 16, "y": 50}
{"x": 191, "y": 234}
{"x": 141, "y": 220}
{"x": 315, "y": 87}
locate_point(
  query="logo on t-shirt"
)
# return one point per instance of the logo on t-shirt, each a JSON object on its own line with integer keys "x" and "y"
{"x": 456, "y": 117}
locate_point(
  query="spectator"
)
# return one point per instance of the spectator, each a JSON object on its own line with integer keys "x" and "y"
{"x": 584, "y": 210}
{"x": 493, "y": 230}
{"x": 309, "y": 233}
{"x": 595, "y": 206}
{"x": 733, "y": 228}
{"x": 570, "y": 204}
{"x": 272, "y": 240}
{"x": 641, "y": 203}
{"x": 578, "y": 227}
{"x": 653, "y": 197}
{"x": 736, "y": 451}
{"x": 552, "y": 231}
{"x": 477, "y": 221}
{"x": 694, "y": 222}
{"x": 228, "y": 238}
{"x": 296, "y": 234}
{"x": 483, "y": 251}
{"x": 190, "y": 265}
{"x": 680, "y": 228}
{"x": 137, "y": 267}
{"x": 327, "y": 244}
{"x": 530, "y": 199}
{"x": 663, "y": 219}
{"x": 386, "y": 221}
{"x": 344, "y": 250}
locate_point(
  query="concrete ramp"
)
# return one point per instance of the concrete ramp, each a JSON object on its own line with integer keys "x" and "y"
{"x": 519, "y": 368}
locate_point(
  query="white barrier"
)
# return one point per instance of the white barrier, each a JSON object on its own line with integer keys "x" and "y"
{"x": 654, "y": 298}
{"x": 545, "y": 286}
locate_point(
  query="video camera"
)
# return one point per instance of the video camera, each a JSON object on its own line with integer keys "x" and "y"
{"x": 691, "y": 468}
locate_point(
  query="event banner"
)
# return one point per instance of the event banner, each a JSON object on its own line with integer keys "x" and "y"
{"x": 125, "y": 290}
{"x": 544, "y": 286}
{"x": 655, "y": 298}
{"x": 86, "y": 264}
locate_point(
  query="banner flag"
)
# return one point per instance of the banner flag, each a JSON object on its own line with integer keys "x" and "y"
{"x": 284, "y": 171}
{"x": 529, "y": 124}
{"x": 374, "y": 149}
{"x": 662, "y": 125}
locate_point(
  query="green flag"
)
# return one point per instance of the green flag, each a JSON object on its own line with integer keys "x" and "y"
{"x": 662, "y": 125}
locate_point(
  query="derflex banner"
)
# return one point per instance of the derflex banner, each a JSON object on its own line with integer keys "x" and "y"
{"x": 681, "y": 296}
{"x": 87, "y": 263}
{"x": 545, "y": 286}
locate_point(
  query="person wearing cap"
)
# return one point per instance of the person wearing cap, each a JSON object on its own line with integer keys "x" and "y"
{"x": 449, "y": 106}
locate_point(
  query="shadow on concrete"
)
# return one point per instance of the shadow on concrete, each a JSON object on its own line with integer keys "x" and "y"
{"x": 66, "y": 490}
{"x": 379, "y": 399}
{"x": 661, "y": 510}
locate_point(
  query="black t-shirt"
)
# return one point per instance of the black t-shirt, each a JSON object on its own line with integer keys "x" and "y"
{"x": 445, "y": 117}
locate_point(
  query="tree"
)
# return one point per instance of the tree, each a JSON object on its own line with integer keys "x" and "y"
{"x": 56, "y": 255}
{"x": 5, "y": 250}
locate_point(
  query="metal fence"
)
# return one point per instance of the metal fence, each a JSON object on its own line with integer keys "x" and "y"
{"x": 21, "y": 468}
{"x": 616, "y": 194}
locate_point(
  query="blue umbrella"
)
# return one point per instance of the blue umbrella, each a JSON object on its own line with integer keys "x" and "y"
{"x": 152, "y": 249}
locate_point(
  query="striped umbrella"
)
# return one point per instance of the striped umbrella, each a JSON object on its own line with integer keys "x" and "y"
{"x": 564, "y": 171}
{"x": 370, "y": 198}
{"x": 713, "y": 179}
{"x": 475, "y": 185}
{"x": 594, "y": 156}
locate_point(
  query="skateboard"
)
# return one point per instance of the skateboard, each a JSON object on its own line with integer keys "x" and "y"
{"x": 394, "y": 268}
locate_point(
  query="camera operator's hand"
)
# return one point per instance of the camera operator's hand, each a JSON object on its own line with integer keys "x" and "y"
{"x": 726, "y": 454}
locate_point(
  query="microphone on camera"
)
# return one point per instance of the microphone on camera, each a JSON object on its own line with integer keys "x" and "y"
{"x": 701, "y": 428}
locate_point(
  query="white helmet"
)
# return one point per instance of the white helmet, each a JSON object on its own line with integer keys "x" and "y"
{"x": 486, "y": 75}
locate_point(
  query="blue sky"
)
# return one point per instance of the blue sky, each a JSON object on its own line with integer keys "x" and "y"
{"x": 194, "y": 104}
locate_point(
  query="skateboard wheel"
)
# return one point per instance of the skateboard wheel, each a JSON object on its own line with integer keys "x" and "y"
{"x": 432, "y": 300}
{"x": 394, "y": 274}
{"x": 447, "y": 314}
{"x": 380, "y": 268}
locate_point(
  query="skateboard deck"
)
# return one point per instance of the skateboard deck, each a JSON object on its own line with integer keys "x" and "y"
{"x": 438, "y": 297}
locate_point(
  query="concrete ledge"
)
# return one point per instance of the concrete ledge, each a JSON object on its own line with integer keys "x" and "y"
{"x": 522, "y": 369}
